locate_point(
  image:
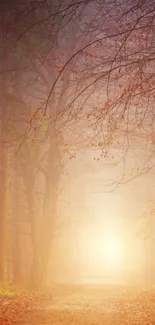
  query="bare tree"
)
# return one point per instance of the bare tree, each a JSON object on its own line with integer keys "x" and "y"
{"x": 83, "y": 73}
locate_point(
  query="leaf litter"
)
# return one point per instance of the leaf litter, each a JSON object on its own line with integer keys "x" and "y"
{"x": 78, "y": 308}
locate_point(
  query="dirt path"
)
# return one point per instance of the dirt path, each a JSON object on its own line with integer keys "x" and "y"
{"x": 95, "y": 307}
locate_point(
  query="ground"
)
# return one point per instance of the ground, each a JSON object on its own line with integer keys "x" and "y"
{"x": 82, "y": 305}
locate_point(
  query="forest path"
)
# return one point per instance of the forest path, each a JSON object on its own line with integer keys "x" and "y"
{"x": 94, "y": 306}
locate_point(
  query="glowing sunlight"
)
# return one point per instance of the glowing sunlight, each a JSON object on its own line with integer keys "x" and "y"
{"x": 100, "y": 256}
{"x": 112, "y": 247}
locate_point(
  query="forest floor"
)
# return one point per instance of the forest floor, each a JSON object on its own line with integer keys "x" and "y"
{"x": 89, "y": 305}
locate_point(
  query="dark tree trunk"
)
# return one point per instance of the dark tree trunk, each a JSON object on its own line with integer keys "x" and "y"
{"x": 3, "y": 216}
{"x": 48, "y": 221}
{"x": 3, "y": 159}
{"x": 16, "y": 229}
{"x": 30, "y": 187}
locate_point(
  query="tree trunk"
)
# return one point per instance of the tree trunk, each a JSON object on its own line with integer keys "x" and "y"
{"x": 3, "y": 162}
{"x": 30, "y": 188}
{"x": 3, "y": 215}
{"x": 48, "y": 221}
{"x": 16, "y": 229}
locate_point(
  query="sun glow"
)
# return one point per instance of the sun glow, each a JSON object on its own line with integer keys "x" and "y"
{"x": 106, "y": 251}
{"x": 101, "y": 254}
{"x": 112, "y": 247}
